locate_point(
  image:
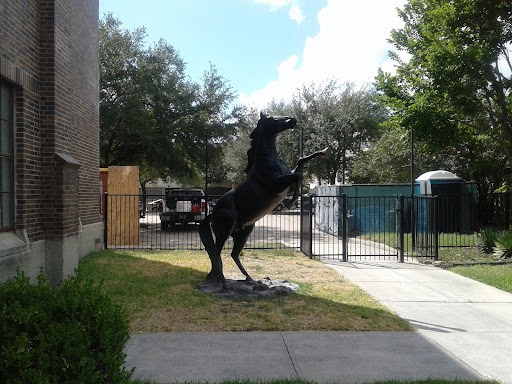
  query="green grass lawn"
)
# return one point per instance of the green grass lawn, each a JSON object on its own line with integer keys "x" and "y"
{"x": 497, "y": 275}
{"x": 158, "y": 291}
{"x": 445, "y": 240}
{"x": 462, "y": 254}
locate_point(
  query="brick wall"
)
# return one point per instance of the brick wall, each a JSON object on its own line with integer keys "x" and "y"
{"x": 49, "y": 50}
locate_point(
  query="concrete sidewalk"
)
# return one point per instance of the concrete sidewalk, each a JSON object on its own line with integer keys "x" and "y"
{"x": 470, "y": 320}
{"x": 324, "y": 357}
{"x": 465, "y": 332}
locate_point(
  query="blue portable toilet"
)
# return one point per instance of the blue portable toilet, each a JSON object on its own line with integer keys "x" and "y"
{"x": 455, "y": 205}
{"x": 430, "y": 183}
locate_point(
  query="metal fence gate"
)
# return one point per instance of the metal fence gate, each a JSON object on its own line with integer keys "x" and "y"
{"x": 348, "y": 228}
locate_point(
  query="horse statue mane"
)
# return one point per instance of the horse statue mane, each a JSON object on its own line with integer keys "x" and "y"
{"x": 252, "y": 151}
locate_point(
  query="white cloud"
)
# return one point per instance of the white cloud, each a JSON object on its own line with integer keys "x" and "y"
{"x": 296, "y": 14}
{"x": 274, "y": 4}
{"x": 350, "y": 46}
{"x": 282, "y": 88}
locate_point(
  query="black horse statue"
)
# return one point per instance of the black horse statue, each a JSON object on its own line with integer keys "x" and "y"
{"x": 267, "y": 183}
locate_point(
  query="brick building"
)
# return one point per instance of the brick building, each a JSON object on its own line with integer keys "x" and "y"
{"x": 49, "y": 136}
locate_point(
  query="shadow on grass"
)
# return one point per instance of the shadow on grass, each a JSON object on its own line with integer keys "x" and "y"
{"x": 159, "y": 294}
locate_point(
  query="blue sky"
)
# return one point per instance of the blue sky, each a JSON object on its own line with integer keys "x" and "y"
{"x": 267, "y": 48}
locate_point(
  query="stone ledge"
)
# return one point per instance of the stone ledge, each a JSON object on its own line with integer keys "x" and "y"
{"x": 65, "y": 161}
{"x": 11, "y": 244}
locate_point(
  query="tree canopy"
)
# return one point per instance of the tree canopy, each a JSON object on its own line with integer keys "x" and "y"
{"x": 454, "y": 91}
{"x": 330, "y": 114}
{"x": 151, "y": 114}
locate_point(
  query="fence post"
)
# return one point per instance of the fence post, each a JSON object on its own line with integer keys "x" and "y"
{"x": 310, "y": 216}
{"x": 400, "y": 221}
{"x": 507, "y": 210}
{"x": 344, "y": 227}
{"x": 105, "y": 226}
{"x": 413, "y": 223}
{"x": 435, "y": 233}
{"x": 306, "y": 239}
{"x": 301, "y": 224}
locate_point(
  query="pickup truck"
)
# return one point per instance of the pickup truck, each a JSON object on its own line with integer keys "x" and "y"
{"x": 182, "y": 206}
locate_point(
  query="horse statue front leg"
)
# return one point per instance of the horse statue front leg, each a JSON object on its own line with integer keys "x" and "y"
{"x": 299, "y": 168}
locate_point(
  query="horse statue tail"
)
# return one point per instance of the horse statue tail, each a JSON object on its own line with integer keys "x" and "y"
{"x": 205, "y": 233}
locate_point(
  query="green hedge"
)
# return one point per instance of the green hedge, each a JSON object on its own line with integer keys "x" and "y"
{"x": 68, "y": 334}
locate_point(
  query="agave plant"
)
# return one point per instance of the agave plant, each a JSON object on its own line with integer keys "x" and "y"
{"x": 486, "y": 241}
{"x": 504, "y": 245}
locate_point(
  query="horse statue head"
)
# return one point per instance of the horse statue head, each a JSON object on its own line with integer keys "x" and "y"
{"x": 268, "y": 126}
{"x": 272, "y": 125}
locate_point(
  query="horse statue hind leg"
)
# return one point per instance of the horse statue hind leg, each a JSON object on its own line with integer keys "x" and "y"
{"x": 223, "y": 223}
{"x": 225, "y": 213}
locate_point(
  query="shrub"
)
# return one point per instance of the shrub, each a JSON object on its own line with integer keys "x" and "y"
{"x": 486, "y": 241}
{"x": 504, "y": 245}
{"x": 68, "y": 334}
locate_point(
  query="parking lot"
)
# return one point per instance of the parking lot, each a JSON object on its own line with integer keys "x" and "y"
{"x": 276, "y": 230}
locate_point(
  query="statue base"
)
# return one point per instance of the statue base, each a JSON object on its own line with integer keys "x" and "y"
{"x": 241, "y": 289}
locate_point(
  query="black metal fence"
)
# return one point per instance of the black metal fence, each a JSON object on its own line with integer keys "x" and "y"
{"x": 329, "y": 227}
{"x": 402, "y": 228}
{"x": 133, "y": 222}
{"x": 460, "y": 218}
{"x": 424, "y": 230}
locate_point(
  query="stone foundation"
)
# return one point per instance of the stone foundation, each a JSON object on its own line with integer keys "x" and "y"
{"x": 57, "y": 257}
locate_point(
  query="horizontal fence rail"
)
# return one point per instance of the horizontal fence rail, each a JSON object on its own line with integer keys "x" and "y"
{"x": 133, "y": 222}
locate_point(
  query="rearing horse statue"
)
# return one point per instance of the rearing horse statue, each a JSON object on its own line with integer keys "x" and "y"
{"x": 267, "y": 183}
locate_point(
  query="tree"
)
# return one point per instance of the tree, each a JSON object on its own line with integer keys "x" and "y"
{"x": 216, "y": 121}
{"x": 341, "y": 117}
{"x": 235, "y": 159}
{"x": 388, "y": 160}
{"x": 122, "y": 114}
{"x": 454, "y": 91}
{"x": 334, "y": 115}
{"x": 384, "y": 162}
{"x": 151, "y": 114}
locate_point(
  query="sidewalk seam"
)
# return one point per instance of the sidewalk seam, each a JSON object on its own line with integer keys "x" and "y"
{"x": 289, "y": 355}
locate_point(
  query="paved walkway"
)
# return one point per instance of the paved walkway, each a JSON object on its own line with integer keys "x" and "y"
{"x": 465, "y": 332}
{"x": 470, "y": 320}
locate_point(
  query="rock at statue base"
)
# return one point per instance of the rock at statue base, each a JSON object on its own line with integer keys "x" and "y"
{"x": 241, "y": 289}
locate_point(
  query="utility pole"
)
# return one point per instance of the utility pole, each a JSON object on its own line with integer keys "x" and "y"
{"x": 413, "y": 219}
{"x": 206, "y": 169}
